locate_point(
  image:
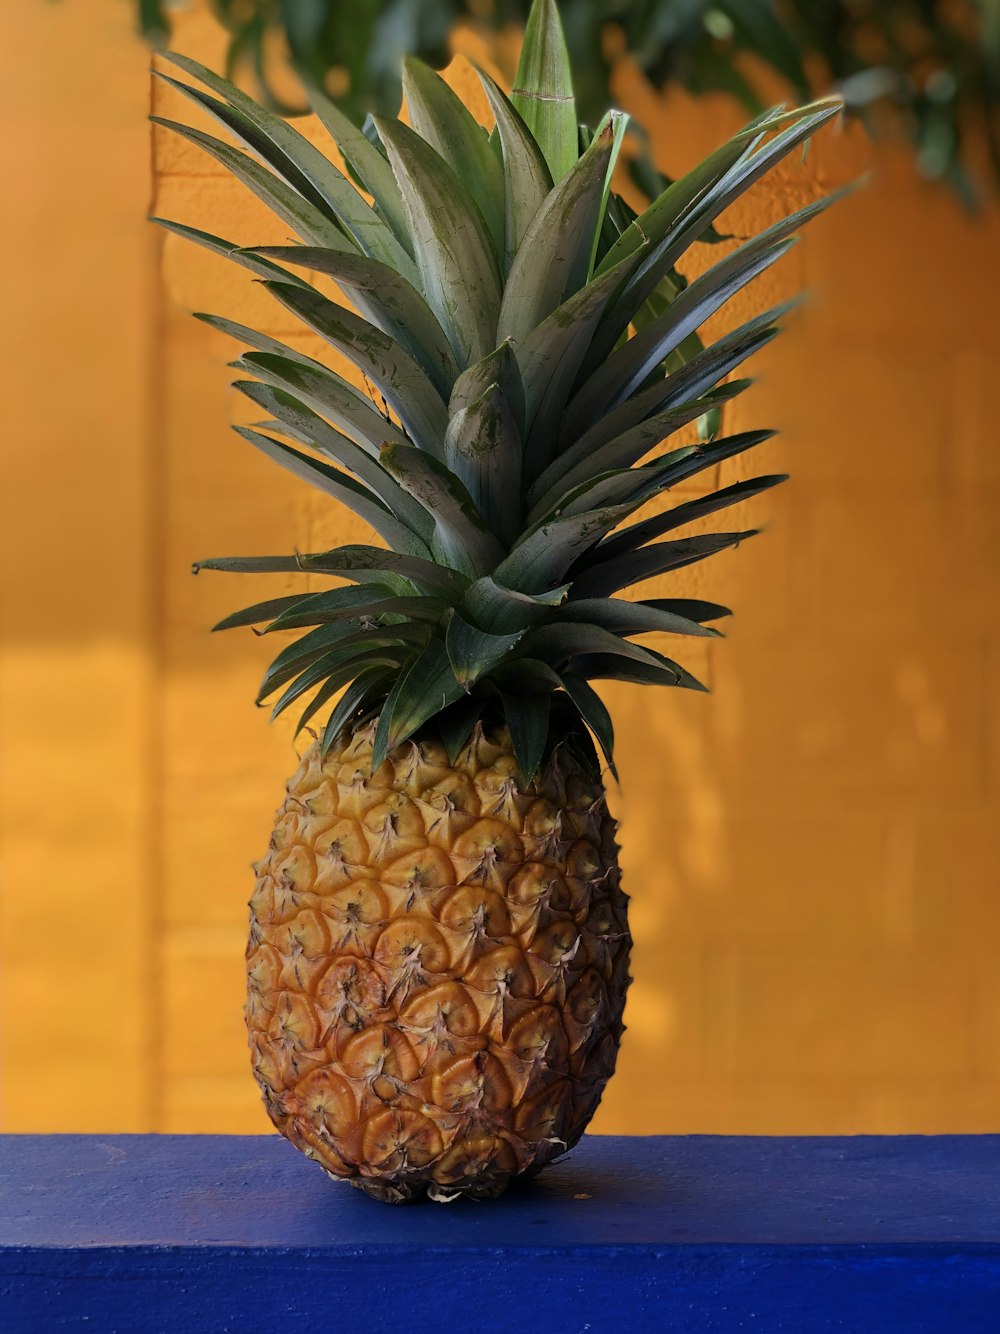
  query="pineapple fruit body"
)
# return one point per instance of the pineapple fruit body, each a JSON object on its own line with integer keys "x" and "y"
{"x": 437, "y": 962}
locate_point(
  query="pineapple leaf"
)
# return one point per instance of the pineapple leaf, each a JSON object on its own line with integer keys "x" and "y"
{"x": 658, "y": 478}
{"x": 622, "y": 617}
{"x": 543, "y": 88}
{"x": 473, "y": 652}
{"x": 502, "y": 610}
{"x": 619, "y": 487}
{"x": 370, "y": 165}
{"x": 635, "y": 486}
{"x": 527, "y": 179}
{"x": 345, "y": 599}
{"x": 265, "y": 424}
{"x": 341, "y": 641}
{"x": 690, "y": 223}
{"x": 266, "y": 135}
{"x": 261, "y": 268}
{"x": 483, "y": 449}
{"x": 440, "y": 118}
{"x": 323, "y": 608}
{"x": 427, "y": 687}
{"x": 484, "y": 441}
{"x": 372, "y": 565}
{"x": 559, "y": 643}
{"x": 688, "y": 206}
{"x": 546, "y": 552}
{"x": 304, "y": 424}
{"x": 524, "y": 676}
{"x": 260, "y": 611}
{"x": 263, "y": 342}
{"x": 459, "y": 268}
{"x": 302, "y": 216}
{"x": 328, "y": 668}
{"x": 528, "y": 715}
{"x": 592, "y": 710}
{"x": 327, "y": 393}
{"x": 701, "y": 299}
{"x": 405, "y": 385}
{"x": 505, "y": 437}
{"x": 618, "y": 122}
{"x": 335, "y": 671}
{"x": 342, "y": 487}
{"x": 499, "y": 367}
{"x": 697, "y": 376}
{"x": 657, "y": 226}
{"x": 553, "y": 261}
{"x": 603, "y": 579}
{"x": 322, "y": 696}
{"x": 570, "y": 471}
{"x": 627, "y": 369}
{"x": 630, "y": 539}
{"x": 694, "y": 609}
{"x": 594, "y": 452}
{"x": 550, "y": 358}
{"x": 385, "y": 298}
{"x": 662, "y": 672}
{"x": 366, "y": 686}
{"x": 250, "y": 564}
{"x": 299, "y": 162}
{"x": 460, "y": 537}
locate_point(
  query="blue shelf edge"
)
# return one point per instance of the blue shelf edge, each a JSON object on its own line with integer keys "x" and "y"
{"x": 211, "y": 1233}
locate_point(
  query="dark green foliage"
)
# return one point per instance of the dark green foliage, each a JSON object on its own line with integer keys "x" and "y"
{"x": 936, "y": 61}
{"x": 527, "y": 343}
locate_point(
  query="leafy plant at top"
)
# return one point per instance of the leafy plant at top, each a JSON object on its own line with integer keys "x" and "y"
{"x": 529, "y": 342}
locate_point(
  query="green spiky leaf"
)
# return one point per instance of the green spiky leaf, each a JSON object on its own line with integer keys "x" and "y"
{"x": 458, "y": 262}
{"x": 527, "y": 715}
{"x": 367, "y": 686}
{"x": 341, "y": 487}
{"x": 305, "y": 425}
{"x": 425, "y": 689}
{"x": 370, "y": 165}
{"x": 385, "y": 298}
{"x": 594, "y": 713}
{"x": 370, "y": 565}
{"x": 405, "y": 385}
{"x": 439, "y": 116}
{"x": 553, "y": 261}
{"x": 543, "y": 88}
{"x": 303, "y": 217}
{"x": 326, "y": 393}
{"x": 473, "y": 652}
{"x": 527, "y": 179}
{"x": 461, "y": 539}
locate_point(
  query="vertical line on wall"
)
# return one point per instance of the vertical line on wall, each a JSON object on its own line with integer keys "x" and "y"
{"x": 155, "y": 552}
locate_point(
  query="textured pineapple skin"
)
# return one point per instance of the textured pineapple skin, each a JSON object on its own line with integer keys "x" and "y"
{"x": 437, "y": 963}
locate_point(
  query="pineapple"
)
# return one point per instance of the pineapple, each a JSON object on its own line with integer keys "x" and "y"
{"x": 439, "y": 951}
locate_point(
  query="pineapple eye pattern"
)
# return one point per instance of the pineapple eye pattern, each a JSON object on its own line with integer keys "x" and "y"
{"x": 480, "y": 1014}
{"x": 532, "y": 350}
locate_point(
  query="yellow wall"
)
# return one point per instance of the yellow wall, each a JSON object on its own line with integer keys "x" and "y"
{"x": 812, "y": 850}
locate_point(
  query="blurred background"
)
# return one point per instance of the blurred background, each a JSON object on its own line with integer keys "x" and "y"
{"x": 812, "y": 850}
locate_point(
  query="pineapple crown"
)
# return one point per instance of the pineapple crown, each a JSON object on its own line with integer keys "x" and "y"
{"x": 531, "y": 342}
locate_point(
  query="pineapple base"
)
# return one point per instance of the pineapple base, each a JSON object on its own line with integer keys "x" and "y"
{"x": 437, "y": 962}
{"x": 410, "y": 1192}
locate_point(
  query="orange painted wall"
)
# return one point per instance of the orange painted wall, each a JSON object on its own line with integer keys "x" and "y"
{"x": 812, "y": 850}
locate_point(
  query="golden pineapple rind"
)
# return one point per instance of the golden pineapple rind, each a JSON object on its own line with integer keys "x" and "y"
{"x": 437, "y": 963}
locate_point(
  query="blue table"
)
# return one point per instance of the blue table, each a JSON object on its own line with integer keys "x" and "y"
{"x": 114, "y": 1234}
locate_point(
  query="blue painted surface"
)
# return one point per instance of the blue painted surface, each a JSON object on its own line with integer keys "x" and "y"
{"x": 210, "y": 1233}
